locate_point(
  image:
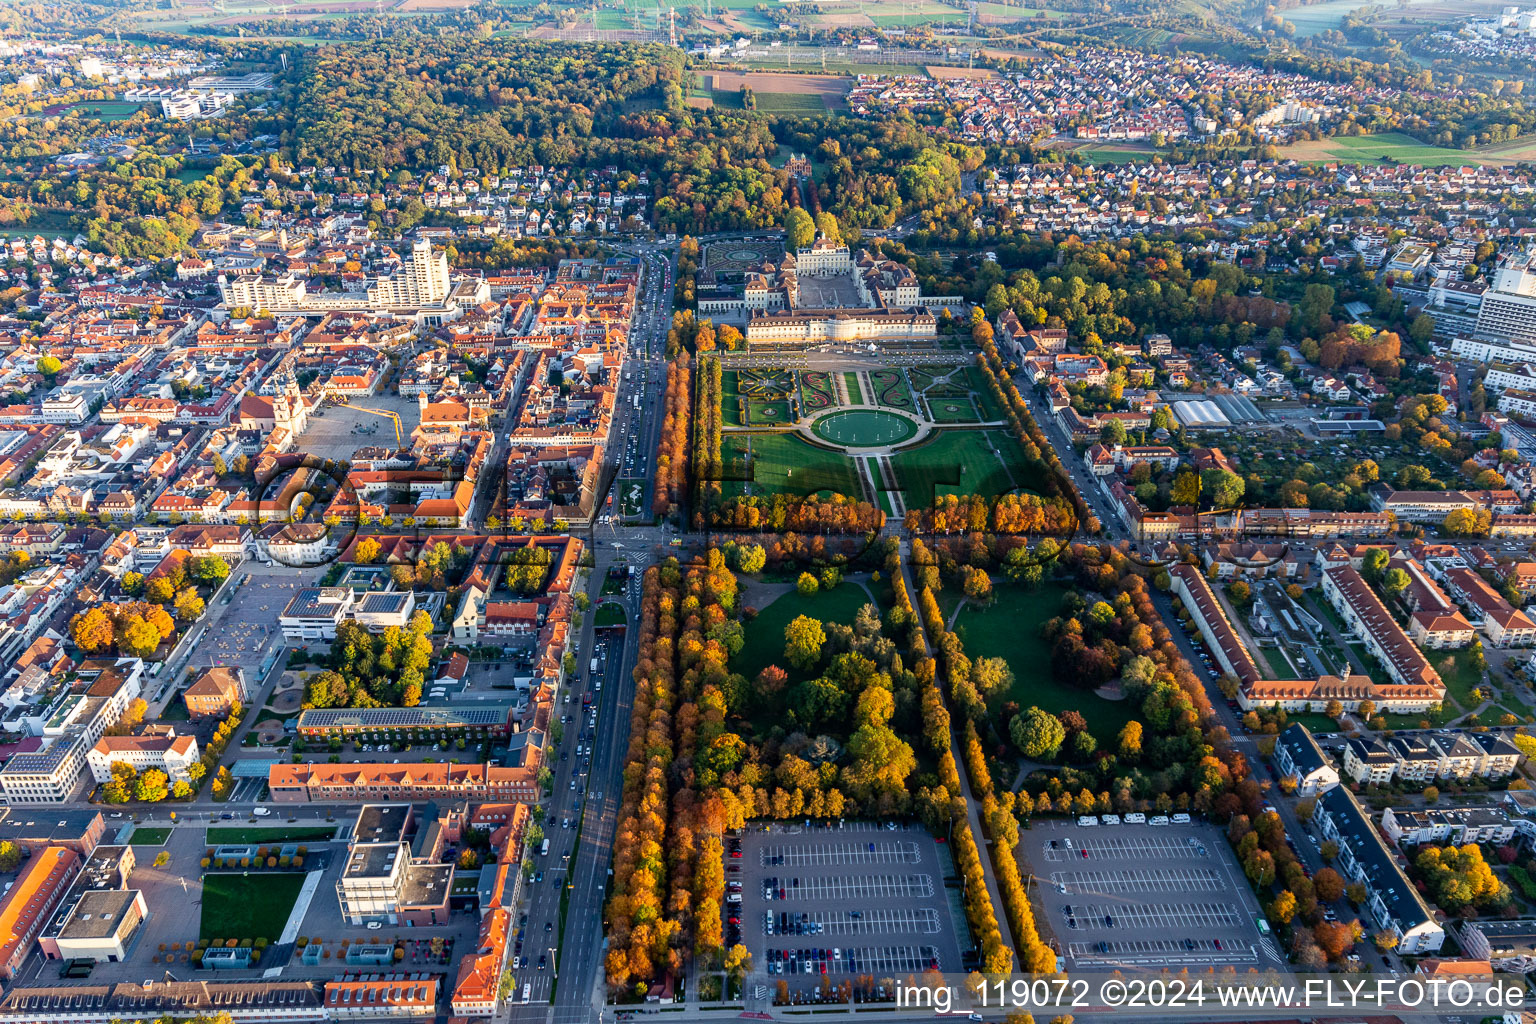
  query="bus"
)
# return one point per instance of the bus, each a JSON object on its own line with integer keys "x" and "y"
{"x": 544, "y": 850}
{"x": 527, "y": 990}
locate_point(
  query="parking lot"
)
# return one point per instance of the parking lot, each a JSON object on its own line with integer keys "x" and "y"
{"x": 1140, "y": 895}
{"x": 824, "y": 903}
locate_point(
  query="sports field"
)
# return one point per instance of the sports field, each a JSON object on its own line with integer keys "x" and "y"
{"x": 784, "y": 463}
{"x": 959, "y": 462}
{"x": 108, "y": 110}
{"x": 864, "y": 428}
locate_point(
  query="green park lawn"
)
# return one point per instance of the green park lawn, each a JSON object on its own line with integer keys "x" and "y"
{"x": 149, "y": 837}
{"x": 960, "y": 462}
{"x": 784, "y": 463}
{"x": 1455, "y": 667}
{"x": 764, "y": 641}
{"x": 1009, "y": 628}
{"x": 1316, "y": 721}
{"x": 248, "y": 906}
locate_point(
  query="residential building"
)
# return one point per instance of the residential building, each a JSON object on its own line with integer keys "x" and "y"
{"x": 1369, "y": 762}
{"x": 1368, "y": 619}
{"x": 1509, "y": 945}
{"x": 1298, "y": 757}
{"x": 1393, "y": 903}
{"x": 1503, "y": 624}
{"x": 165, "y": 751}
{"x": 1457, "y": 826}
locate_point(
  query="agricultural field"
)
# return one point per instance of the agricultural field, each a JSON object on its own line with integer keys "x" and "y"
{"x": 790, "y": 103}
{"x": 832, "y": 90}
{"x": 1403, "y": 149}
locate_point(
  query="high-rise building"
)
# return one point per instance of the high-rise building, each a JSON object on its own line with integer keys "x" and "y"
{"x": 1508, "y": 310}
{"x": 422, "y": 281}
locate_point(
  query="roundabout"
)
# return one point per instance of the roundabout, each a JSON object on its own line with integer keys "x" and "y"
{"x": 865, "y": 428}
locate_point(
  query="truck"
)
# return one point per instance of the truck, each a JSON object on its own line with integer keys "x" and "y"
{"x": 544, "y": 850}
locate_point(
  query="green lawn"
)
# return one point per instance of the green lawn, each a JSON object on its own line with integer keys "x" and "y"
{"x": 149, "y": 837}
{"x": 1316, "y": 721}
{"x": 784, "y": 463}
{"x": 961, "y": 462}
{"x": 610, "y": 613}
{"x": 952, "y": 410}
{"x": 1455, "y": 667}
{"x": 764, "y": 644}
{"x": 851, "y": 382}
{"x": 175, "y": 711}
{"x": 1009, "y": 628}
{"x": 108, "y": 110}
{"x": 248, "y": 906}
{"x": 259, "y": 834}
{"x": 981, "y": 392}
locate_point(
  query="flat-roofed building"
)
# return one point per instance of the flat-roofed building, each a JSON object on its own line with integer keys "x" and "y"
{"x": 78, "y": 829}
{"x": 1508, "y": 945}
{"x": 101, "y": 925}
{"x": 315, "y": 612}
{"x": 1369, "y": 761}
{"x": 480, "y": 719}
{"x": 381, "y": 609}
{"x": 1455, "y": 825}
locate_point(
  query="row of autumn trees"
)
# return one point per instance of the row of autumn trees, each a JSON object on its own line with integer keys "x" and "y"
{"x": 707, "y": 423}
{"x": 997, "y": 819}
{"x": 1006, "y": 513}
{"x": 672, "y": 448}
{"x": 668, "y": 866}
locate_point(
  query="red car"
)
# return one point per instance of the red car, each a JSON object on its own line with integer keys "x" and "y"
{"x": 736, "y": 854}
